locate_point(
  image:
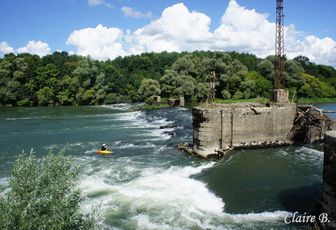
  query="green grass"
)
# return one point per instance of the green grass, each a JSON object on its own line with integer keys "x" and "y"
{"x": 316, "y": 100}
{"x": 251, "y": 100}
{"x": 150, "y": 107}
{"x": 164, "y": 102}
{"x": 266, "y": 100}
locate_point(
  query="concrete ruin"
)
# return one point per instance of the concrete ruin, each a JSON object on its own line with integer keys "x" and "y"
{"x": 173, "y": 102}
{"x": 218, "y": 128}
{"x": 224, "y": 127}
{"x": 156, "y": 100}
{"x": 329, "y": 179}
{"x": 280, "y": 96}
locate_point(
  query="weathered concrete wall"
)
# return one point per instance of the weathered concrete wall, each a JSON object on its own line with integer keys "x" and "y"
{"x": 224, "y": 127}
{"x": 329, "y": 179}
{"x": 206, "y": 131}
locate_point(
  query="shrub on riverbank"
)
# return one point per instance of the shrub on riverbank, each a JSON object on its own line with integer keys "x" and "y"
{"x": 43, "y": 195}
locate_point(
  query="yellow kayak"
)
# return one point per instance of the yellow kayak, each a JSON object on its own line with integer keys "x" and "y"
{"x": 104, "y": 151}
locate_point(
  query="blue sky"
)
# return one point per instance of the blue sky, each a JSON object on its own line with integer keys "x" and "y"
{"x": 53, "y": 21}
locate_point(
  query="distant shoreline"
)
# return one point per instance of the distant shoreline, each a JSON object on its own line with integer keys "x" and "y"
{"x": 217, "y": 100}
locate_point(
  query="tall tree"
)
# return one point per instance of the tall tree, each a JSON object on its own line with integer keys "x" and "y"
{"x": 148, "y": 89}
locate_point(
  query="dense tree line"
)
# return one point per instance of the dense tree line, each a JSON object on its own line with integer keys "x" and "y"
{"x": 63, "y": 79}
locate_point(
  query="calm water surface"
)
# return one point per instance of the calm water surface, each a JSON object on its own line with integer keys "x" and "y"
{"x": 147, "y": 184}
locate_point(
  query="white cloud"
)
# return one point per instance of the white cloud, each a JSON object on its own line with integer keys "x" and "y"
{"x": 320, "y": 50}
{"x": 100, "y": 42}
{"x": 5, "y": 48}
{"x": 244, "y": 30}
{"x": 179, "y": 29}
{"x": 95, "y": 2}
{"x": 35, "y": 47}
{"x": 100, "y": 2}
{"x": 130, "y": 12}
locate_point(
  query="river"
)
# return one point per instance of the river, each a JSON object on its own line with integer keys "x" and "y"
{"x": 147, "y": 184}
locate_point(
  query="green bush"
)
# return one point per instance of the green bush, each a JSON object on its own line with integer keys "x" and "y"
{"x": 113, "y": 98}
{"x": 247, "y": 93}
{"x": 148, "y": 89}
{"x": 238, "y": 95}
{"x": 226, "y": 94}
{"x": 45, "y": 96}
{"x": 315, "y": 88}
{"x": 24, "y": 102}
{"x": 43, "y": 195}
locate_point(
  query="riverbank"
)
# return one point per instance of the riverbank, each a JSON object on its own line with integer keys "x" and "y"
{"x": 194, "y": 102}
{"x": 266, "y": 100}
{"x": 316, "y": 100}
{"x": 261, "y": 100}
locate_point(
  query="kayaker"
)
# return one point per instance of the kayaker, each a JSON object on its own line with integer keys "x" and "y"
{"x": 103, "y": 148}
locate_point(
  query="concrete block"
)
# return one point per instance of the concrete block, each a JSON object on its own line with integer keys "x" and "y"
{"x": 242, "y": 126}
{"x": 329, "y": 179}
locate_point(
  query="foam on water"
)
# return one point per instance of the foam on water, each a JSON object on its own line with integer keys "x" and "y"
{"x": 310, "y": 151}
{"x": 149, "y": 126}
{"x": 306, "y": 154}
{"x": 4, "y": 181}
{"x": 119, "y": 107}
{"x": 139, "y": 119}
{"x": 161, "y": 198}
{"x": 132, "y": 146}
{"x": 311, "y": 155}
{"x": 223, "y": 221}
{"x": 24, "y": 118}
{"x": 70, "y": 146}
{"x": 256, "y": 217}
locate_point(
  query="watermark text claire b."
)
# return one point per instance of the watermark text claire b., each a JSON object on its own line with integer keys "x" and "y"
{"x": 297, "y": 218}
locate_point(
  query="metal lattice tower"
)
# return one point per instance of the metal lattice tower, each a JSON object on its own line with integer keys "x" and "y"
{"x": 279, "y": 46}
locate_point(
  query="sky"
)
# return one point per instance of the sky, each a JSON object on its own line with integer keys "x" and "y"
{"x": 106, "y": 29}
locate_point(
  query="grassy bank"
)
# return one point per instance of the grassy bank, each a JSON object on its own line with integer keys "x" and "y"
{"x": 265, "y": 100}
{"x": 150, "y": 107}
{"x": 316, "y": 100}
{"x": 164, "y": 102}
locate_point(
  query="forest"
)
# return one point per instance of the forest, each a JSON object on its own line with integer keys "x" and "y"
{"x": 63, "y": 79}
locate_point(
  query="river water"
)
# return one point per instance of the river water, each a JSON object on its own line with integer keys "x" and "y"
{"x": 147, "y": 184}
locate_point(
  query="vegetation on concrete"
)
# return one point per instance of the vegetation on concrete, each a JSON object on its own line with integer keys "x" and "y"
{"x": 251, "y": 100}
{"x": 43, "y": 194}
{"x": 63, "y": 79}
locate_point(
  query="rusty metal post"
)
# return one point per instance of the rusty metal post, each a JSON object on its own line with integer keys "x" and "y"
{"x": 279, "y": 46}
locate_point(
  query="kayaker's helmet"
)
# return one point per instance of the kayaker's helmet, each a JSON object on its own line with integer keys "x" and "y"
{"x": 104, "y": 144}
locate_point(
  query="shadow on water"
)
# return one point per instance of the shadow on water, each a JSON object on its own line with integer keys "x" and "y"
{"x": 266, "y": 180}
{"x": 301, "y": 199}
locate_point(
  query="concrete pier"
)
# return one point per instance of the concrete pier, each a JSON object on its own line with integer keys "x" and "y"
{"x": 224, "y": 127}
{"x": 329, "y": 179}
